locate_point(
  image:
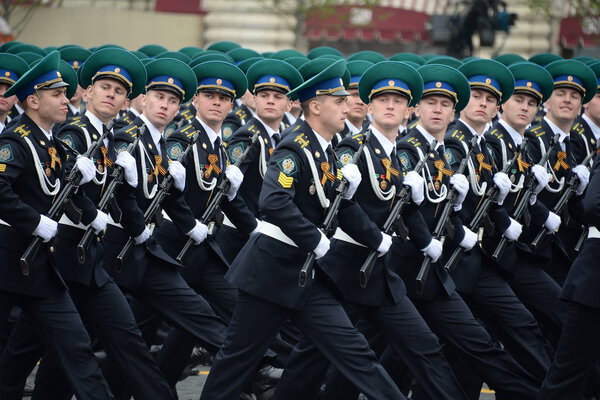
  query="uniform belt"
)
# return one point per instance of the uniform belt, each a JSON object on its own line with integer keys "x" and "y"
{"x": 227, "y": 222}
{"x": 112, "y": 222}
{"x": 64, "y": 220}
{"x": 593, "y": 232}
{"x": 344, "y": 237}
{"x": 275, "y": 232}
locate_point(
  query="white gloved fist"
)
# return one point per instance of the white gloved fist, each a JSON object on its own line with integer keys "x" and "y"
{"x": 99, "y": 223}
{"x": 433, "y": 250}
{"x": 513, "y": 231}
{"x": 417, "y": 186}
{"x": 142, "y": 237}
{"x": 461, "y": 184}
{"x": 541, "y": 177}
{"x": 127, "y": 162}
{"x": 502, "y": 182}
{"x": 386, "y": 243}
{"x": 469, "y": 240}
{"x": 46, "y": 229}
{"x": 198, "y": 233}
{"x": 87, "y": 169}
{"x": 177, "y": 171}
{"x": 583, "y": 175}
{"x": 552, "y": 222}
{"x": 235, "y": 177}
{"x": 322, "y": 248}
{"x": 353, "y": 176}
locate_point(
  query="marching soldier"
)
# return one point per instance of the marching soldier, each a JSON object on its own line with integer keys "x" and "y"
{"x": 75, "y": 56}
{"x": 239, "y": 116}
{"x": 11, "y": 68}
{"x": 586, "y": 130}
{"x": 32, "y": 166}
{"x": 294, "y": 197}
{"x": 356, "y": 120}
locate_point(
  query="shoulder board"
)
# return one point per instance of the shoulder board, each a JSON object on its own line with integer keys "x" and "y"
{"x": 188, "y": 129}
{"x": 253, "y": 129}
{"x": 302, "y": 140}
{"x": 538, "y": 131}
{"x": 22, "y": 130}
{"x": 495, "y": 132}
{"x": 296, "y": 128}
{"x": 413, "y": 124}
{"x": 132, "y": 131}
{"x": 579, "y": 128}
{"x": 414, "y": 141}
{"x": 186, "y": 114}
{"x": 358, "y": 138}
{"x": 240, "y": 113}
{"x": 78, "y": 122}
{"x": 457, "y": 134}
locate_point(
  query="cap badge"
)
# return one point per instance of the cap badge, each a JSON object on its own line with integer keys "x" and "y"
{"x": 391, "y": 83}
{"x": 170, "y": 80}
{"x": 529, "y": 84}
{"x": 117, "y": 70}
{"x": 219, "y": 81}
{"x": 272, "y": 80}
{"x": 7, "y": 73}
{"x": 569, "y": 78}
{"x": 438, "y": 84}
{"x": 488, "y": 81}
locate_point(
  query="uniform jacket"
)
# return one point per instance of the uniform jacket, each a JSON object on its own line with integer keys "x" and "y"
{"x": 234, "y": 121}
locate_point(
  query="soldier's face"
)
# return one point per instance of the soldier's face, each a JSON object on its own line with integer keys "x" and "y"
{"x": 213, "y": 107}
{"x": 77, "y": 96}
{"x": 519, "y": 111}
{"x": 6, "y": 103}
{"x": 357, "y": 110}
{"x": 388, "y": 110}
{"x": 271, "y": 105}
{"x": 592, "y": 109}
{"x": 435, "y": 112}
{"x": 160, "y": 107}
{"x": 332, "y": 112}
{"x": 106, "y": 97}
{"x": 564, "y": 104}
{"x": 482, "y": 107}
{"x": 295, "y": 106}
{"x": 51, "y": 104}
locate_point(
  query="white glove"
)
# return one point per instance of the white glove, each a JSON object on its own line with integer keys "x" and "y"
{"x": 469, "y": 240}
{"x": 460, "y": 183}
{"x": 322, "y": 248}
{"x": 541, "y": 176}
{"x": 127, "y": 162}
{"x": 142, "y": 237}
{"x": 513, "y": 231}
{"x": 46, "y": 229}
{"x": 99, "y": 223}
{"x": 177, "y": 171}
{"x": 235, "y": 176}
{"x": 353, "y": 176}
{"x": 583, "y": 174}
{"x": 502, "y": 182}
{"x": 417, "y": 186}
{"x": 198, "y": 232}
{"x": 87, "y": 169}
{"x": 386, "y": 243}
{"x": 552, "y": 222}
{"x": 256, "y": 230}
{"x": 433, "y": 250}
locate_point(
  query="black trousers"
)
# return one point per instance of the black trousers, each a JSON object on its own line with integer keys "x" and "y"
{"x": 255, "y": 323}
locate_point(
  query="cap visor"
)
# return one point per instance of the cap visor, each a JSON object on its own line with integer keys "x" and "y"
{"x": 342, "y": 92}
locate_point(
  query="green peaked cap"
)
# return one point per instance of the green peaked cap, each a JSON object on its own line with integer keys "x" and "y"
{"x": 439, "y": 79}
{"x": 489, "y": 75}
{"x": 391, "y": 77}
{"x": 576, "y": 75}
{"x": 43, "y": 75}
{"x": 532, "y": 79}
{"x": 273, "y": 74}
{"x": 221, "y": 77}
{"x": 172, "y": 75}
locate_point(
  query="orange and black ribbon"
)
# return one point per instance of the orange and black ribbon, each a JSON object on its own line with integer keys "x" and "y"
{"x": 389, "y": 170}
{"x": 482, "y": 164}
{"x": 213, "y": 160}
{"x": 326, "y": 168}
{"x": 54, "y": 159}
{"x": 158, "y": 168}
{"x": 442, "y": 170}
{"x": 561, "y": 162}
{"x": 522, "y": 164}
{"x": 107, "y": 162}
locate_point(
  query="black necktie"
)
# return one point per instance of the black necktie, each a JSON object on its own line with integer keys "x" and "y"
{"x": 276, "y": 138}
{"x": 330, "y": 155}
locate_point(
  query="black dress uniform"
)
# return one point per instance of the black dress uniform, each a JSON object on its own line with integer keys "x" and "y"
{"x": 126, "y": 119}
{"x": 266, "y": 274}
{"x": 235, "y": 120}
{"x": 186, "y": 114}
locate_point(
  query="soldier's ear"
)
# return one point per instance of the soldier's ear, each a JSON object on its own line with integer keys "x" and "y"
{"x": 314, "y": 105}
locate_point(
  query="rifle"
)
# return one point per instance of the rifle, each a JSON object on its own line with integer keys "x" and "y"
{"x": 331, "y": 213}
{"x": 108, "y": 199}
{"x": 442, "y": 221}
{"x": 62, "y": 202}
{"x": 483, "y": 209}
{"x": 212, "y": 208}
{"x": 154, "y": 207}
{"x": 562, "y": 201}
{"x": 524, "y": 202}
{"x": 402, "y": 198}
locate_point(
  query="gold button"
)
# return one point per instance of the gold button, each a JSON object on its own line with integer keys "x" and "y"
{"x": 51, "y": 249}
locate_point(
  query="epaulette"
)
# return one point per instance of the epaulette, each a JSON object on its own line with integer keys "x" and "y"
{"x": 302, "y": 140}
{"x": 296, "y": 128}
{"x": 186, "y": 114}
{"x": 495, "y": 132}
{"x": 458, "y": 135}
{"x": 579, "y": 128}
{"x": 22, "y": 130}
{"x": 254, "y": 129}
{"x": 413, "y": 124}
{"x": 77, "y": 122}
{"x": 240, "y": 113}
{"x": 358, "y": 138}
{"x": 414, "y": 141}
{"x": 132, "y": 131}
{"x": 188, "y": 130}
{"x": 538, "y": 131}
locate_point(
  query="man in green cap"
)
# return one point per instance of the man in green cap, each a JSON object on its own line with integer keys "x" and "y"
{"x": 11, "y": 68}
{"x": 585, "y": 133}
{"x": 293, "y": 199}
{"x": 356, "y": 119}
{"x": 446, "y": 90}
{"x": 75, "y": 56}
{"x": 32, "y": 164}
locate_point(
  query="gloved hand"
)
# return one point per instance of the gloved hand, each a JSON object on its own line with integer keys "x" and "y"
{"x": 417, "y": 186}
{"x": 177, "y": 171}
{"x": 583, "y": 175}
{"x": 127, "y": 162}
{"x": 87, "y": 169}
{"x": 198, "y": 233}
{"x": 502, "y": 182}
{"x": 386, "y": 243}
{"x": 46, "y": 229}
{"x": 353, "y": 176}
{"x": 99, "y": 223}
{"x": 552, "y": 222}
{"x": 469, "y": 240}
{"x": 235, "y": 176}
{"x": 142, "y": 237}
{"x": 460, "y": 183}
{"x": 513, "y": 231}
{"x": 541, "y": 177}
{"x": 433, "y": 250}
{"x": 322, "y": 248}
{"x": 258, "y": 226}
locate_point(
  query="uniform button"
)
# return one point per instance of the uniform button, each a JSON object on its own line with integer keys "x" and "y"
{"x": 97, "y": 239}
{"x": 51, "y": 249}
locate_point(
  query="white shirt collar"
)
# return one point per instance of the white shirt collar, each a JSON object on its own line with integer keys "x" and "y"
{"x": 515, "y": 136}
{"x": 290, "y": 117}
{"x": 47, "y": 134}
{"x": 2, "y": 126}
{"x": 353, "y": 129}
{"x": 556, "y": 129}
{"x": 473, "y": 131}
{"x": 74, "y": 109}
{"x": 270, "y": 130}
{"x": 324, "y": 143}
{"x": 212, "y": 135}
{"x": 428, "y": 136}
{"x": 154, "y": 132}
{"x": 19, "y": 109}
{"x": 595, "y": 128}
{"x": 134, "y": 111}
{"x": 384, "y": 141}
{"x": 95, "y": 121}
